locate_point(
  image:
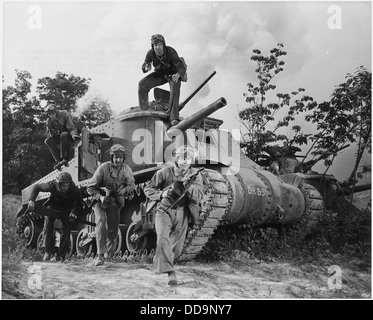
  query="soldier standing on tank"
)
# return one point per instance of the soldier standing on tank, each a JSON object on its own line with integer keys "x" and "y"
{"x": 61, "y": 132}
{"x": 116, "y": 176}
{"x": 65, "y": 196}
{"x": 171, "y": 225}
{"x": 168, "y": 67}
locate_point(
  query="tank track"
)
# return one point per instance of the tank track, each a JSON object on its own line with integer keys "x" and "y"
{"x": 215, "y": 204}
{"x": 314, "y": 208}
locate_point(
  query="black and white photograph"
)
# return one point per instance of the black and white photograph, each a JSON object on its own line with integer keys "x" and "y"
{"x": 186, "y": 155}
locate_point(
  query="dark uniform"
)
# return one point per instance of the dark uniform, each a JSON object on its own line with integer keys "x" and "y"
{"x": 168, "y": 64}
{"x": 70, "y": 202}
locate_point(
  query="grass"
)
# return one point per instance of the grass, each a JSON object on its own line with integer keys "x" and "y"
{"x": 14, "y": 249}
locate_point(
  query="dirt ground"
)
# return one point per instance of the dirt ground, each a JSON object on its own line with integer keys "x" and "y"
{"x": 241, "y": 278}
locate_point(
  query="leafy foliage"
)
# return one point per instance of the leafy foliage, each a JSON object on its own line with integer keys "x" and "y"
{"x": 345, "y": 118}
{"x": 25, "y": 159}
{"x": 259, "y": 115}
{"x": 63, "y": 89}
{"x": 96, "y": 111}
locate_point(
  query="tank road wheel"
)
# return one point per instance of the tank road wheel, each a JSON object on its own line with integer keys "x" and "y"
{"x": 84, "y": 243}
{"x": 146, "y": 242}
{"x": 32, "y": 231}
{"x": 40, "y": 243}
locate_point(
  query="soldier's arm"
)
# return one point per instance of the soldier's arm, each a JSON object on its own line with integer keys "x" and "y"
{"x": 70, "y": 125}
{"x": 78, "y": 204}
{"x": 93, "y": 188}
{"x": 148, "y": 60}
{"x": 178, "y": 63}
{"x": 129, "y": 182}
{"x": 154, "y": 188}
{"x": 38, "y": 187}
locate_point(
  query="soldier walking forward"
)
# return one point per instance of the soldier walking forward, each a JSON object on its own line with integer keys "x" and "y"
{"x": 172, "y": 224}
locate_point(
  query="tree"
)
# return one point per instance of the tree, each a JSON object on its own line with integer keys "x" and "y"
{"x": 257, "y": 117}
{"x": 346, "y": 118}
{"x": 23, "y": 135}
{"x": 64, "y": 90}
{"x": 25, "y": 159}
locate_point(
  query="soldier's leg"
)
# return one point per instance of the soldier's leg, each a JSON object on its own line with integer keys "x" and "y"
{"x": 113, "y": 217}
{"x": 177, "y": 236}
{"x": 49, "y": 234}
{"x": 52, "y": 143}
{"x": 163, "y": 260}
{"x": 193, "y": 205}
{"x": 174, "y": 100}
{"x": 150, "y": 81}
{"x": 65, "y": 239}
{"x": 65, "y": 141}
{"x": 101, "y": 231}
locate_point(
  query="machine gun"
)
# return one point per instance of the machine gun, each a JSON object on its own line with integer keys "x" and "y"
{"x": 187, "y": 182}
{"x": 44, "y": 211}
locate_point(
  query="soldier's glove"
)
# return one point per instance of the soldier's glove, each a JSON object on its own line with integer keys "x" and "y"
{"x": 75, "y": 137}
{"x": 72, "y": 217}
{"x": 104, "y": 201}
{"x": 31, "y": 205}
{"x": 177, "y": 190}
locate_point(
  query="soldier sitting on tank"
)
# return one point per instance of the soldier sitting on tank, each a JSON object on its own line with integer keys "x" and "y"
{"x": 61, "y": 132}
{"x": 65, "y": 196}
{"x": 117, "y": 178}
{"x": 168, "y": 67}
{"x": 171, "y": 225}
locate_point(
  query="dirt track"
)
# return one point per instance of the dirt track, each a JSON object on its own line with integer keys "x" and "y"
{"x": 241, "y": 278}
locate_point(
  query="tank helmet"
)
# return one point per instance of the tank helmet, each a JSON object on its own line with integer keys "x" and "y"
{"x": 64, "y": 177}
{"x": 157, "y": 38}
{"x": 51, "y": 107}
{"x": 117, "y": 149}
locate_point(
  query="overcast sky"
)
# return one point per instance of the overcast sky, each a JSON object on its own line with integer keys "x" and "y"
{"x": 107, "y": 42}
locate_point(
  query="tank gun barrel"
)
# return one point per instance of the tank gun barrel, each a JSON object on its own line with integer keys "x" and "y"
{"x": 182, "y": 105}
{"x": 198, "y": 116}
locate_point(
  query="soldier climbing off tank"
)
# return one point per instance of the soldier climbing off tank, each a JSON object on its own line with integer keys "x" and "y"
{"x": 65, "y": 196}
{"x": 171, "y": 225}
{"x": 117, "y": 179}
{"x": 61, "y": 132}
{"x": 168, "y": 67}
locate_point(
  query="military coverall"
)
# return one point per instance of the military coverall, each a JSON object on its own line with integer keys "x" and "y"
{"x": 171, "y": 225}
{"x": 165, "y": 66}
{"x": 121, "y": 182}
{"x": 60, "y": 132}
{"x": 70, "y": 202}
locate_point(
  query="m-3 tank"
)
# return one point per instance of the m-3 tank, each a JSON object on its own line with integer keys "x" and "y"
{"x": 237, "y": 191}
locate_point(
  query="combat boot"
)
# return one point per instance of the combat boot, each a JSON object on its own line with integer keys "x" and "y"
{"x": 100, "y": 260}
{"x": 47, "y": 257}
{"x": 172, "y": 281}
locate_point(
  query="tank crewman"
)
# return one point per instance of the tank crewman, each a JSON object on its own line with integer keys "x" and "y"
{"x": 117, "y": 178}
{"x": 172, "y": 224}
{"x": 65, "y": 196}
{"x": 61, "y": 132}
{"x": 168, "y": 67}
